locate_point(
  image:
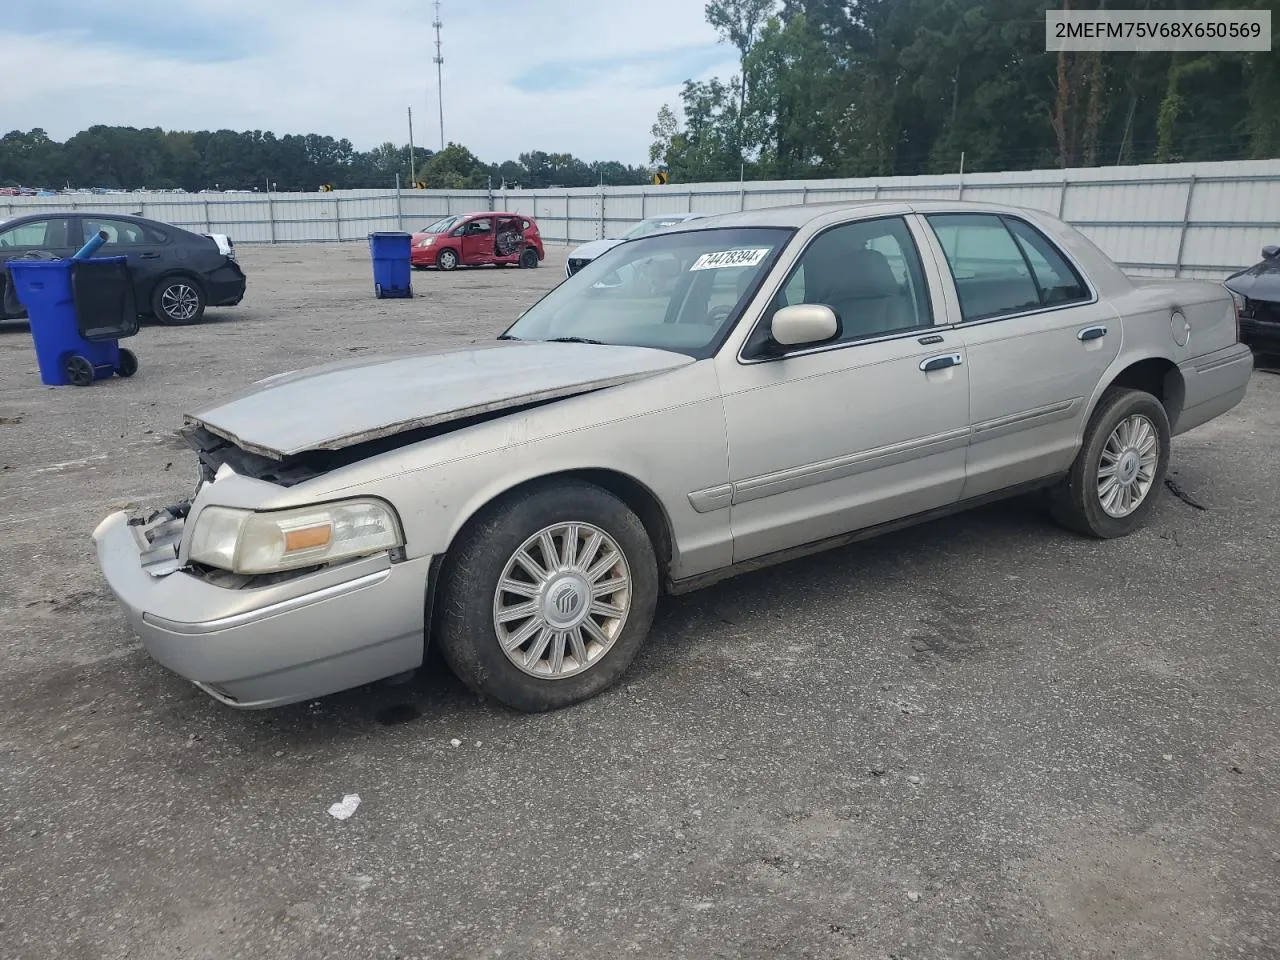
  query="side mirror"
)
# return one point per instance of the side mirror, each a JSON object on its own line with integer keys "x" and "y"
{"x": 804, "y": 323}
{"x": 1270, "y": 251}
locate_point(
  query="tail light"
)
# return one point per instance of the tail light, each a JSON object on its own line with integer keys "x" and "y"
{"x": 1241, "y": 306}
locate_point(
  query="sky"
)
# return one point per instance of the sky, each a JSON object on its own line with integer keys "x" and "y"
{"x": 585, "y": 77}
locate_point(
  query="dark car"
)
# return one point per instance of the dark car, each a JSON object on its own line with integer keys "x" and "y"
{"x": 1257, "y": 293}
{"x": 176, "y": 273}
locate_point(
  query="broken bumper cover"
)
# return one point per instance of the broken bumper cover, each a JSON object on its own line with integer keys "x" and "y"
{"x": 257, "y": 647}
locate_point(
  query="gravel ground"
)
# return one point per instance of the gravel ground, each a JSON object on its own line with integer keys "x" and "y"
{"x": 980, "y": 738}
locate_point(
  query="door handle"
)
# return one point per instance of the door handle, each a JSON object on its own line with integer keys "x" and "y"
{"x": 1091, "y": 333}
{"x": 941, "y": 362}
{"x": 150, "y": 256}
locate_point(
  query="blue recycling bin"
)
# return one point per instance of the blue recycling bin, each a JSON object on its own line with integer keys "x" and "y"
{"x": 391, "y": 267}
{"x": 70, "y": 348}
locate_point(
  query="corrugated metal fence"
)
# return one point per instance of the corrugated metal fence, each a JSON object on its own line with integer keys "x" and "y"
{"x": 1193, "y": 219}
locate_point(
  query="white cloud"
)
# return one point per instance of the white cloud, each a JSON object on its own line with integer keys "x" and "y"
{"x": 571, "y": 75}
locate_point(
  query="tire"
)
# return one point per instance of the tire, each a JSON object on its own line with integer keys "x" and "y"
{"x": 470, "y": 602}
{"x": 447, "y": 260}
{"x": 529, "y": 258}
{"x": 128, "y": 363}
{"x": 178, "y": 301}
{"x": 1079, "y": 503}
{"x": 78, "y": 370}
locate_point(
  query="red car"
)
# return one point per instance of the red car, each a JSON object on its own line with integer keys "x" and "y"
{"x": 478, "y": 239}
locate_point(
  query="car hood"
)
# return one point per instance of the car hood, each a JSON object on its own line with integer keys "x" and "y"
{"x": 341, "y": 404}
{"x": 589, "y": 251}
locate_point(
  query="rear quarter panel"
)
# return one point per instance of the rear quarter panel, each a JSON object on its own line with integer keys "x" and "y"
{"x": 1154, "y": 315}
{"x": 1168, "y": 312}
{"x": 1191, "y": 324}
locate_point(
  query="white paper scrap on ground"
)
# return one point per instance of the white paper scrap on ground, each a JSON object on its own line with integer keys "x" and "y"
{"x": 346, "y": 808}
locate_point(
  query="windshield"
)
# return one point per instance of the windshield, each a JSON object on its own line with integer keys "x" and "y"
{"x": 651, "y": 225}
{"x": 678, "y": 291}
{"x": 440, "y": 226}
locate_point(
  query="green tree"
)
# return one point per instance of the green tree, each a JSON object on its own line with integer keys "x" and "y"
{"x": 456, "y": 168}
{"x": 739, "y": 22}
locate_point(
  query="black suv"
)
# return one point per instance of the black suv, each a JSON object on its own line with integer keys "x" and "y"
{"x": 176, "y": 273}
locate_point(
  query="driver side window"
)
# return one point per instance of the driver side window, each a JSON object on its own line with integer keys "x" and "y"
{"x": 36, "y": 233}
{"x": 869, "y": 273}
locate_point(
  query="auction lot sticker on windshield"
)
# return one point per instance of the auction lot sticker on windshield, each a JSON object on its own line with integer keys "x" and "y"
{"x": 730, "y": 258}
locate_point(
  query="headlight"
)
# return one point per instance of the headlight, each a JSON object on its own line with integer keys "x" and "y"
{"x": 245, "y": 541}
{"x": 426, "y": 242}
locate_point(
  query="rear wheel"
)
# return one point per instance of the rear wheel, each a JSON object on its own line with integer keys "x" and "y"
{"x": 178, "y": 301}
{"x": 529, "y": 258}
{"x": 548, "y": 596}
{"x": 128, "y": 363}
{"x": 1114, "y": 482}
{"x": 447, "y": 260}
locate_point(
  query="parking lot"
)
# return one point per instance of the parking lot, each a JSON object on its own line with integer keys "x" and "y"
{"x": 980, "y": 738}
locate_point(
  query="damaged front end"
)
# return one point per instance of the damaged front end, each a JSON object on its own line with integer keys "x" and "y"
{"x": 160, "y": 538}
{"x": 260, "y": 598}
{"x": 217, "y": 452}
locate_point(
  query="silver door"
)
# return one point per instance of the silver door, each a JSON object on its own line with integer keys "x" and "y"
{"x": 856, "y": 432}
{"x": 1037, "y": 340}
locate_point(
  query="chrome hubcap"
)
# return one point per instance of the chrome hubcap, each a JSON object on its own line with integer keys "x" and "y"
{"x": 179, "y": 301}
{"x": 562, "y": 600}
{"x": 1128, "y": 466}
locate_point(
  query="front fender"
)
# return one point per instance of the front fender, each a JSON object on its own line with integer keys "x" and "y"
{"x": 438, "y": 485}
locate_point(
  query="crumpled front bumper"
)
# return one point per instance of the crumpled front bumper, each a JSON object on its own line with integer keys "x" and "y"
{"x": 257, "y": 647}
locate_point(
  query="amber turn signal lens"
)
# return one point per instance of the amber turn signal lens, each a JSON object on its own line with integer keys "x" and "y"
{"x": 308, "y": 538}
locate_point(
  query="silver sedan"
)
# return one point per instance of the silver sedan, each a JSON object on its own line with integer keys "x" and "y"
{"x": 713, "y": 398}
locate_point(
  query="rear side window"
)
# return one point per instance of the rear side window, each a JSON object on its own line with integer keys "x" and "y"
{"x": 121, "y": 232}
{"x": 1003, "y": 266}
{"x": 1059, "y": 282}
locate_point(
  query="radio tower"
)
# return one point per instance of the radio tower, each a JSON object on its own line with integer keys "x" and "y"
{"x": 439, "y": 61}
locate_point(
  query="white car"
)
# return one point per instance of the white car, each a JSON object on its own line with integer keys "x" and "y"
{"x": 581, "y": 256}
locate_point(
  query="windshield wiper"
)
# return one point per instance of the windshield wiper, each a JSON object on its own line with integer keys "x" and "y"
{"x": 574, "y": 340}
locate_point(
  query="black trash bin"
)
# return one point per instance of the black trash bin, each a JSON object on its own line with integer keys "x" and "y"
{"x": 102, "y": 291}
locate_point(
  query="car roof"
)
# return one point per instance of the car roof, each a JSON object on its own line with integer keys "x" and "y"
{"x": 91, "y": 214}
{"x": 798, "y": 215}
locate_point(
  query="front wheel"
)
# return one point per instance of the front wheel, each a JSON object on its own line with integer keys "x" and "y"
{"x": 548, "y": 597}
{"x": 178, "y": 301}
{"x": 447, "y": 260}
{"x": 79, "y": 371}
{"x": 1115, "y": 479}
